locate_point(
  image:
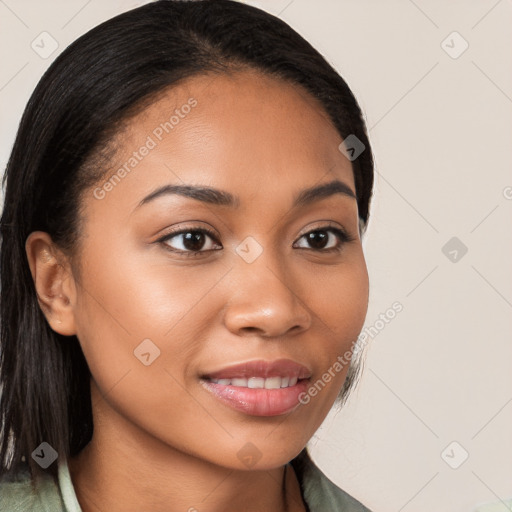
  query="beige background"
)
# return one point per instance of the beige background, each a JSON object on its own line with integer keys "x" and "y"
{"x": 441, "y": 130}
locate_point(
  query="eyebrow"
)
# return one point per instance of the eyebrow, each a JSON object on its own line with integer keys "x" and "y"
{"x": 223, "y": 198}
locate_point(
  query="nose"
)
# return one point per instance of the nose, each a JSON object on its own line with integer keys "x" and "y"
{"x": 265, "y": 300}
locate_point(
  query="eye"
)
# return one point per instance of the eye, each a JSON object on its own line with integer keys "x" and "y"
{"x": 189, "y": 241}
{"x": 194, "y": 241}
{"x": 326, "y": 239}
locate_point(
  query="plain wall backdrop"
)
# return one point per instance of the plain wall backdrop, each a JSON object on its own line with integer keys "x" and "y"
{"x": 430, "y": 425}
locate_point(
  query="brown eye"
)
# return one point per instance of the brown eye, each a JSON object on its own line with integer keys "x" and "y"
{"x": 189, "y": 241}
{"x": 317, "y": 239}
{"x": 324, "y": 239}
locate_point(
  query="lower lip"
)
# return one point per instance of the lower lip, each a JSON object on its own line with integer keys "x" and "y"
{"x": 258, "y": 402}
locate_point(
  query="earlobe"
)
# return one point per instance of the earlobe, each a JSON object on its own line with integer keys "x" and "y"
{"x": 53, "y": 282}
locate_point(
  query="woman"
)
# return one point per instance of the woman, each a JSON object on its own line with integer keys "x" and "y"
{"x": 182, "y": 274}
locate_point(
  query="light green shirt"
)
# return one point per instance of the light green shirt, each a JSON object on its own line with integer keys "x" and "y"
{"x": 318, "y": 492}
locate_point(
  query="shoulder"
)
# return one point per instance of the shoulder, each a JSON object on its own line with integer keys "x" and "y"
{"x": 320, "y": 493}
{"x": 18, "y": 494}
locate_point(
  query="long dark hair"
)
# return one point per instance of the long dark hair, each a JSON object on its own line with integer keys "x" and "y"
{"x": 98, "y": 82}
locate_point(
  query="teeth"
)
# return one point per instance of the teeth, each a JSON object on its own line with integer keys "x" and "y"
{"x": 258, "y": 382}
{"x": 273, "y": 383}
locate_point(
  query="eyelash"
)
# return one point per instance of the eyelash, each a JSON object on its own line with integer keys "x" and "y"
{"x": 342, "y": 235}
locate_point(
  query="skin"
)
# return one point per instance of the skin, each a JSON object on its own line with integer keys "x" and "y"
{"x": 161, "y": 442}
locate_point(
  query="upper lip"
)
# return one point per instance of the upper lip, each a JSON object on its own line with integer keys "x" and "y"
{"x": 264, "y": 369}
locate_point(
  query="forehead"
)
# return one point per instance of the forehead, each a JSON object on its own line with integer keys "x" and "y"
{"x": 255, "y": 135}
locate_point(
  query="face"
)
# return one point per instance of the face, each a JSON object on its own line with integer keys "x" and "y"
{"x": 174, "y": 287}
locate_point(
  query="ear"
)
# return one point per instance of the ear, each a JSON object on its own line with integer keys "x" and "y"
{"x": 53, "y": 280}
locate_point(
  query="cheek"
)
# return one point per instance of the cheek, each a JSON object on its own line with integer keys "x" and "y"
{"x": 137, "y": 293}
{"x": 339, "y": 298}
{"x": 126, "y": 299}
{"x": 338, "y": 301}
{"x": 132, "y": 312}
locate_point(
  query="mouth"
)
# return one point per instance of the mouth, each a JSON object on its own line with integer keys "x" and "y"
{"x": 261, "y": 369}
{"x": 257, "y": 382}
{"x": 258, "y": 401}
{"x": 259, "y": 388}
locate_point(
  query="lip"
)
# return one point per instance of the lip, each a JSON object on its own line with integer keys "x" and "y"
{"x": 258, "y": 402}
{"x": 262, "y": 368}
